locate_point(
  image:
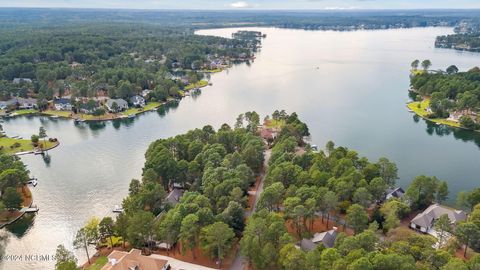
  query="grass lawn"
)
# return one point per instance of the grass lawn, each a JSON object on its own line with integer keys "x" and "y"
{"x": 212, "y": 70}
{"x": 58, "y": 113}
{"x": 199, "y": 84}
{"x": 275, "y": 123}
{"x": 99, "y": 263}
{"x": 417, "y": 71}
{"x": 420, "y": 109}
{"x": 25, "y": 112}
{"x": 148, "y": 106}
{"x": 25, "y": 145}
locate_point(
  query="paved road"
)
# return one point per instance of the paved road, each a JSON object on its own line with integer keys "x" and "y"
{"x": 180, "y": 265}
{"x": 238, "y": 263}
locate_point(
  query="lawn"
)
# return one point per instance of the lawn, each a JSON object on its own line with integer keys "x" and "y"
{"x": 421, "y": 111}
{"x": 99, "y": 263}
{"x": 212, "y": 70}
{"x": 25, "y": 112}
{"x": 25, "y": 145}
{"x": 199, "y": 84}
{"x": 58, "y": 113}
{"x": 417, "y": 71}
{"x": 275, "y": 123}
{"x": 148, "y": 106}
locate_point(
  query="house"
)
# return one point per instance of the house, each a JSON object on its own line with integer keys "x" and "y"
{"x": 174, "y": 196}
{"x": 394, "y": 193}
{"x": 9, "y": 104}
{"x": 327, "y": 239}
{"x": 121, "y": 105}
{"x": 27, "y": 103}
{"x": 89, "y": 107}
{"x": 146, "y": 92}
{"x": 425, "y": 221}
{"x": 137, "y": 101}
{"x": 62, "y": 104}
{"x": 134, "y": 260}
{"x": 21, "y": 80}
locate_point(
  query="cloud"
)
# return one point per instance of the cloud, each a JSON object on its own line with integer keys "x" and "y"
{"x": 240, "y": 4}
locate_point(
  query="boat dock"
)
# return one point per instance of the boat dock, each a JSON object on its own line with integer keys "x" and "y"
{"x": 31, "y": 209}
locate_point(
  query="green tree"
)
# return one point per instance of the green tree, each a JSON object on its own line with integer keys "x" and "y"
{"x": 216, "y": 240}
{"x": 140, "y": 228}
{"x": 388, "y": 171}
{"x": 426, "y": 64}
{"x": 422, "y": 191}
{"x": 121, "y": 227}
{"x": 442, "y": 226}
{"x": 452, "y": 69}
{"x": 91, "y": 229}
{"x": 11, "y": 199}
{"x": 106, "y": 228}
{"x": 442, "y": 192}
{"x": 415, "y": 64}
{"x": 292, "y": 258}
{"x": 468, "y": 233}
{"x": 42, "y": 134}
{"x": 357, "y": 218}
{"x": 65, "y": 260}
{"x": 82, "y": 241}
{"x": 190, "y": 233}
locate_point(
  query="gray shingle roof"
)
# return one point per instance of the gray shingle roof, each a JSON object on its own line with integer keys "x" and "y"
{"x": 435, "y": 211}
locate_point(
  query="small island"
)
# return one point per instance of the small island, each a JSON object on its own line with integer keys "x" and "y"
{"x": 447, "y": 97}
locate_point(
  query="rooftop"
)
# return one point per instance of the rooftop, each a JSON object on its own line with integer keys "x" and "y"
{"x": 120, "y": 260}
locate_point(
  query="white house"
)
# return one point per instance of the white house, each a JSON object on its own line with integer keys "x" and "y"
{"x": 425, "y": 221}
{"x": 27, "y": 103}
{"x": 137, "y": 101}
{"x": 62, "y": 104}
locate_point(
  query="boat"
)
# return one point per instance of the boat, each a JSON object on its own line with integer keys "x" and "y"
{"x": 410, "y": 110}
{"x": 33, "y": 182}
{"x": 79, "y": 120}
{"x": 54, "y": 116}
{"x": 131, "y": 116}
{"x": 117, "y": 209}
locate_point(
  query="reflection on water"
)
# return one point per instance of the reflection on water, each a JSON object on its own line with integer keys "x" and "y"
{"x": 21, "y": 226}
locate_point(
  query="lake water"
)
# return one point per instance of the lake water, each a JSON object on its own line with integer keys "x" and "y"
{"x": 349, "y": 87}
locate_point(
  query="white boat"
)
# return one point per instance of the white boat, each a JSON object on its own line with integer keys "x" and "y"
{"x": 117, "y": 209}
{"x": 33, "y": 182}
{"x": 131, "y": 116}
{"x": 54, "y": 116}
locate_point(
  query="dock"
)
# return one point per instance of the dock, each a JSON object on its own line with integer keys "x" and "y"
{"x": 32, "y": 209}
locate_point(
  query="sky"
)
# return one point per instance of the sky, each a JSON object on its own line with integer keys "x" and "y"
{"x": 248, "y": 4}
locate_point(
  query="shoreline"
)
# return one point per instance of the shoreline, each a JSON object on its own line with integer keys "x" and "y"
{"x": 109, "y": 117}
{"x": 412, "y": 107}
{"x": 21, "y": 214}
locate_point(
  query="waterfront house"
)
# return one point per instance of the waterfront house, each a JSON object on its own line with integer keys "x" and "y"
{"x": 146, "y": 92}
{"x": 394, "y": 193}
{"x": 327, "y": 239}
{"x": 425, "y": 221}
{"x": 121, "y": 105}
{"x": 27, "y": 103}
{"x": 9, "y": 104}
{"x": 137, "y": 101}
{"x": 134, "y": 260}
{"x": 62, "y": 104}
{"x": 174, "y": 196}
{"x": 21, "y": 80}
{"x": 89, "y": 107}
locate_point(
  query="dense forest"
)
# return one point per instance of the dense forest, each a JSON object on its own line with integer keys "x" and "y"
{"x": 106, "y": 59}
{"x": 451, "y": 93}
{"x": 305, "y": 191}
{"x": 13, "y": 178}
